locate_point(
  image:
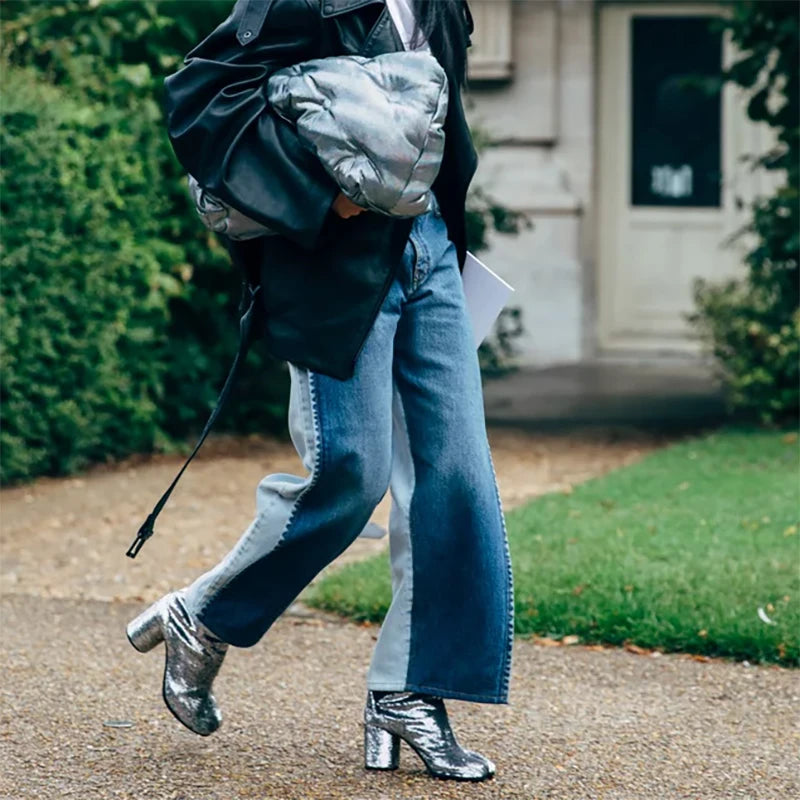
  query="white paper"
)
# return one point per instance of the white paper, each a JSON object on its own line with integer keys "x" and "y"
{"x": 486, "y": 293}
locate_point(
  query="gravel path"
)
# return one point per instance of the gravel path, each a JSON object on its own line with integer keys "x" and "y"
{"x": 583, "y": 723}
{"x": 85, "y": 524}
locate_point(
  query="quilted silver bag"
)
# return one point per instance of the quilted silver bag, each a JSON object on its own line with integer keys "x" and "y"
{"x": 223, "y": 218}
{"x": 376, "y": 124}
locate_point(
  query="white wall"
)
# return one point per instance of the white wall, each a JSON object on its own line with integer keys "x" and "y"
{"x": 541, "y": 123}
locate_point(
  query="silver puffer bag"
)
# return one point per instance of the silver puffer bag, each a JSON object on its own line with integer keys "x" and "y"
{"x": 222, "y": 218}
{"x": 376, "y": 124}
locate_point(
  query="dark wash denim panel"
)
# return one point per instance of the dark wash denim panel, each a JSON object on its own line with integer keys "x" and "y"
{"x": 412, "y": 414}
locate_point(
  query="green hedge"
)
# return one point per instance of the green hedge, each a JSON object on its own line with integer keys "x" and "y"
{"x": 118, "y": 308}
{"x": 84, "y": 299}
{"x": 752, "y": 325}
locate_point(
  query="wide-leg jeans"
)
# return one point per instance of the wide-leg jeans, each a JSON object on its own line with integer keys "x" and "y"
{"x": 410, "y": 419}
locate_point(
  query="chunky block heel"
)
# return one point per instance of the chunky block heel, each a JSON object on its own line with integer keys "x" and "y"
{"x": 147, "y": 630}
{"x": 381, "y": 748}
{"x": 421, "y": 721}
{"x": 192, "y": 659}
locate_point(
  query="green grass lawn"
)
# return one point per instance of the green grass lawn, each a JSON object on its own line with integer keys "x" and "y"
{"x": 677, "y": 552}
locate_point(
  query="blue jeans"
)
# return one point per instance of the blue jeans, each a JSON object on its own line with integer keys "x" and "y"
{"x": 410, "y": 419}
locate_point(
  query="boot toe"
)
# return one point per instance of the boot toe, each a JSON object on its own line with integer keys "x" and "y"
{"x": 201, "y": 716}
{"x": 483, "y": 764}
{"x": 466, "y": 766}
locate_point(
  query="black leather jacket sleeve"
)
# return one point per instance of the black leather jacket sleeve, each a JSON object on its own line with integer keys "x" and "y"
{"x": 225, "y": 134}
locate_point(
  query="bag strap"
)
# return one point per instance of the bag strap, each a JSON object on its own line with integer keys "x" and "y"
{"x": 245, "y": 338}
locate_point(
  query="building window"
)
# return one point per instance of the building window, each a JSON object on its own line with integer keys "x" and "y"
{"x": 489, "y": 58}
{"x": 676, "y": 123}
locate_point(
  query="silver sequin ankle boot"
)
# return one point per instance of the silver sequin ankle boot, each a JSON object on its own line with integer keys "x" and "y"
{"x": 193, "y": 658}
{"x": 421, "y": 721}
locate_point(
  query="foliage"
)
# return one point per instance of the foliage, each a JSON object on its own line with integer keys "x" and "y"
{"x": 105, "y": 63}
{"x": 752, "y": 325}
{"x": 152, "y": 312}
{"x": 116, "y": 54}
{"x": 677, "y": 552}
{"x": 84, "y": 297}
{"x": 756, "y": 342}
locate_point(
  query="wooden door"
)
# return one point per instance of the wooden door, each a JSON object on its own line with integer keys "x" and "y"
{"x": 669, "y": 171}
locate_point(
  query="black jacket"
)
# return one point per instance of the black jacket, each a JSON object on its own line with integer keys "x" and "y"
{"x": 324, "y": 278}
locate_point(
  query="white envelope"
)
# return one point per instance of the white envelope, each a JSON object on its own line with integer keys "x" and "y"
{"x": 486, "y": 293}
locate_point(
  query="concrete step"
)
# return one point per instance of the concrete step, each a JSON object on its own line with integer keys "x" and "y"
{"x": 674, "y": 394}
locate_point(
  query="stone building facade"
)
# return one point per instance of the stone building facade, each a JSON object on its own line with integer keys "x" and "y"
{"x": 602, "y": 132}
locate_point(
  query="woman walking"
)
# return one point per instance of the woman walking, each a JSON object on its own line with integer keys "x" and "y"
{"x": 369, "y": 312}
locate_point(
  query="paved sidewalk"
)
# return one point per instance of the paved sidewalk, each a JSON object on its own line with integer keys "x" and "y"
{"x": 581, "y": 723}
